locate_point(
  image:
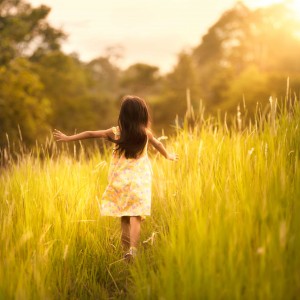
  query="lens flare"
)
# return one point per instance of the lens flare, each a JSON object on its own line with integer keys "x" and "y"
{"x": 295, "y": 5}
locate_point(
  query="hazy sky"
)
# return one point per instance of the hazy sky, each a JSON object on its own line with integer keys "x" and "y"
{"x": 149, "y": 31}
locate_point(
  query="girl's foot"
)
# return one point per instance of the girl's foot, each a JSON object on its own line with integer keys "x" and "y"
{"x": 131, "y": 254}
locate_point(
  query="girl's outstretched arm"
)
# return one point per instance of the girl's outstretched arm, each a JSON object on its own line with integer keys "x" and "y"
{"x": 83, "y": 135}
{"x": 160, "y": 147}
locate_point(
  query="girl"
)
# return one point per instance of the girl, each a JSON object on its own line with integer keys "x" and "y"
{"x": 128, "y": 194}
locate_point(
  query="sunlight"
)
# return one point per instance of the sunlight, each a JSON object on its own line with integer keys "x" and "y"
{"x": 293, "y": 4}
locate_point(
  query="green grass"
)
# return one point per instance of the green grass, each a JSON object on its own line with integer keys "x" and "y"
{"x": 225, "y": 218}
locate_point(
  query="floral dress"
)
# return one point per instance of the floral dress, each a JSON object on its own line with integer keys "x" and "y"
{"x": 128, "y": 192}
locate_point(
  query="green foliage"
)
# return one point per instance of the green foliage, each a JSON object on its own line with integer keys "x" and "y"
{"x": 174, "y": 90}
{"x": 66, "y": 85}
{"x": 24, "y": 31}
{"x": 247, "y": 55}
{"x": 249, "y": 87}
{"x": 240, "y": 42}
{"x": 79, "y": 98}
{"x": 140, "y": 79}
{"x": 104, "y": 75}
{"x": 23, "y": 105}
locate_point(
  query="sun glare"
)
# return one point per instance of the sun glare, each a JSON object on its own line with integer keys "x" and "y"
{"x": 293, "y": 4}
{"x": 296, "y": 7}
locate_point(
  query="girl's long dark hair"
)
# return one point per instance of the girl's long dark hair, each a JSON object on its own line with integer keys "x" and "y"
{"x": 133, "y": 121}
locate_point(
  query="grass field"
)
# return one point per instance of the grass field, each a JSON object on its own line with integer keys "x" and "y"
{"x": 225, "y": 219}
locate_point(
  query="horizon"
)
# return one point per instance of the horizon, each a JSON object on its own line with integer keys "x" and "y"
{"x": 94, "y": 28}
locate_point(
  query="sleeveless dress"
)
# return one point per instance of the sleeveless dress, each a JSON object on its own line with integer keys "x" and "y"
{"x": 128, "y": 192}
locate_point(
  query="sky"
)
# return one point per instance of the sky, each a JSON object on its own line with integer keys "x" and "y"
{"x": 144, "y": 31}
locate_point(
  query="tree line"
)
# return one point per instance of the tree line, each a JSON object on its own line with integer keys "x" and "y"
{"x": 244, "y": 58}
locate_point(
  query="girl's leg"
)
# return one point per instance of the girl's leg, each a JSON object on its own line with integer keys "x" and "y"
{"x": 125, "y": 238}
{"x": 135, "y": 230}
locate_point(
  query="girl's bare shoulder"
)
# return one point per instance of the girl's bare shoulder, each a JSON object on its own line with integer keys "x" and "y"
{"x": 149, "y": 133}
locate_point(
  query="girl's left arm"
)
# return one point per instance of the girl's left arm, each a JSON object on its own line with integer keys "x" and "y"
{"x": 160, "y": 147}
{"x": 83, "y": 135}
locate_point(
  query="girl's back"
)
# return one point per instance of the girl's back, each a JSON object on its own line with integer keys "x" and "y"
{"x": 129, "y": 189}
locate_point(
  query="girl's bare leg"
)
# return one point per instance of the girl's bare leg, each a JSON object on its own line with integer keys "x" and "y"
{"x": 125, "y": 238}
{"x": 135, "y": 230}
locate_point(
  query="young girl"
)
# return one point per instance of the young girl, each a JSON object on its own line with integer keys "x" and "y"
{"x": 128, "y": 194}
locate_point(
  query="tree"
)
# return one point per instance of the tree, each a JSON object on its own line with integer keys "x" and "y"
{"x": 221, "y": 53}
{"x": 172, "y": 102}
{"x": 79, "y": 94}
{"x": 141, "y": 79}
{"x": 22, "y": 103}
{"x": 24, "y": 31}
{"x": 67, "y": 87}
{"x": 262, "y": 43}
{"x": 250, "y": 87}
{"x": 104, "y": 77}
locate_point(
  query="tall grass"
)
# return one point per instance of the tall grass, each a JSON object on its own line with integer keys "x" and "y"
{"x": 225, "y": 218}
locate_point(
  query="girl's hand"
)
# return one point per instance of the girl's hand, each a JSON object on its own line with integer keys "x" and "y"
{"x": 172, "y": 156}
{"x": 59, "y": 136}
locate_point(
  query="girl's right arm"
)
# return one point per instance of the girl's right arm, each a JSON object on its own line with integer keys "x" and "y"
{"x": 83, "y": 135}
{"x": 160, "y": 147}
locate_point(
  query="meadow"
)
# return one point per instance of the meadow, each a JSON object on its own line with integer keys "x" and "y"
{"x": 225, "y": 218}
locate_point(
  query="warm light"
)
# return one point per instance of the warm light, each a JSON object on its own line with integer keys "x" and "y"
{"x": 295, "y": 5}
